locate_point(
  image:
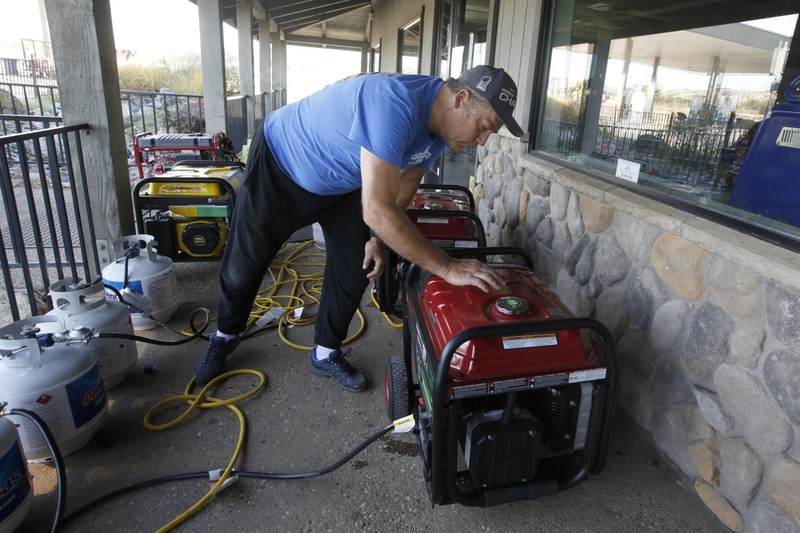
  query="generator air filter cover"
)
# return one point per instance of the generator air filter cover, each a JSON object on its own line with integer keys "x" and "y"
{"x": 450, "y": 310}
{"x": 502, "y": 452}
{"x": 201, "y": 238}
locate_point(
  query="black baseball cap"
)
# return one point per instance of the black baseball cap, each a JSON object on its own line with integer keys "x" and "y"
{"x": 498, "y": 88}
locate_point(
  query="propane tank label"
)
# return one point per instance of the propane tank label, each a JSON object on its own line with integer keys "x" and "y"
{"x": 14, "y": 482}
{"x": 87, "y": 397}
{"x": 530, "y": 341}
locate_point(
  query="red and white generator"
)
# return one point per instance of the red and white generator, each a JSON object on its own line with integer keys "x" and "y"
{"x": 156, "y": 153}
{"x": 513, "y": 396}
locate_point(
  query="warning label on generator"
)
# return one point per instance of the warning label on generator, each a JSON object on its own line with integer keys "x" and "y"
{"x": 587, "y": 375}
{"x": 433, "y": 220}
{"x": 530, "y": 341}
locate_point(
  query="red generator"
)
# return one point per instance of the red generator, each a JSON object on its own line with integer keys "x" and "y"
{"x": 157, "y": 153}
{"x": 444, "y": 215}
{"x": 513, "y": 397}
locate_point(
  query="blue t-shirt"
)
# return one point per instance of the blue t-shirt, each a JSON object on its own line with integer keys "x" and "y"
{"x": 317, "y": 141}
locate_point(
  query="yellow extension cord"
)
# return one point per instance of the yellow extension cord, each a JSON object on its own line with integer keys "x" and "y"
{"x": 203, "y": 401}
{"x": 303, "y": 292}
{"x": 304, "y": 289}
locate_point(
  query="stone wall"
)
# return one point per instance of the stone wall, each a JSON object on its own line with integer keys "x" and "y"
{"x": 707, "y": 323}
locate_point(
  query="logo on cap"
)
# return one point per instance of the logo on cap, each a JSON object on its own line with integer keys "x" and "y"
{"x": 508, "y": 96}
{"x": 484, "y": 83}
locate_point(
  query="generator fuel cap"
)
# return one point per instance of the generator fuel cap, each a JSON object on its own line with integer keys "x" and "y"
{"x": 511, "y": 305}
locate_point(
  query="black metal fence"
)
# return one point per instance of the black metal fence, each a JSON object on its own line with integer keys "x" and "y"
{"x": 667, "y": 145}
{"x": 47, "y": 230}
{"x": 161, "y": 112}
{"x": 142, "y": 111}
{"x": 29, "y": 99}
{"x": 33, "y": 71}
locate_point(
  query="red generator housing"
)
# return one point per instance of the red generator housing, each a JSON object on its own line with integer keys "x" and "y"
{"x": 444, "y": 215}
{"x": 513, "y": 396}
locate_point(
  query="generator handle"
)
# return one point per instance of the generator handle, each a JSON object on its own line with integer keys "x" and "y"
{"x": 492, "y": 250}
{"x": 204, "y": 163}
{"x": 441, "y": 387}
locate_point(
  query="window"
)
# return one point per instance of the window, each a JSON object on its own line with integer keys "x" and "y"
{"x": 375, "y": 58}
{"x": 463, "y": 26}
{"x": 409, "y": 46}
{"x": 667, "y": 99}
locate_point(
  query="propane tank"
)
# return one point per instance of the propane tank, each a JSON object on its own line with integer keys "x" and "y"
{"x": 55, "y": 376}
{"x": 145, "y": 280}
{"x": 16, "y": 495}
{"x": 80, "y": 305}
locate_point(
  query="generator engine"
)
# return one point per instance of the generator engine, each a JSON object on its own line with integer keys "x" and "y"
{"x": 443, "y": 214}
{"x": 513, "y": 396}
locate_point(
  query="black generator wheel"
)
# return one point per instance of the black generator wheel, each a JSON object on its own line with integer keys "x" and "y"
{"x": 398, "y": 397}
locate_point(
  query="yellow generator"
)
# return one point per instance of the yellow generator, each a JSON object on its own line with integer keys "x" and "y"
{"x": 188, "y": 208}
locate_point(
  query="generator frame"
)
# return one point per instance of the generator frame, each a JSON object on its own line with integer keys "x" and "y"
{"x": 438, "y": 437}
{"x": 143, "y": 203}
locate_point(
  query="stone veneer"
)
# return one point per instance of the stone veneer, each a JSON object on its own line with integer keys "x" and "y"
{"x": 707, "y": 323}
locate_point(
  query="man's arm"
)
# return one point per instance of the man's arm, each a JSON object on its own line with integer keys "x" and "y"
{"x": 409, "y": 183}
{"x": 382, "y": 188}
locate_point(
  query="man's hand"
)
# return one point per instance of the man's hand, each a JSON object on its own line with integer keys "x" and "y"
{"x": 472, "y": 272}
{"x": 374, "y": 255}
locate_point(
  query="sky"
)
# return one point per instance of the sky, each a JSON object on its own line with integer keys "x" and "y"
{"x": 151, "y": 28}
{"x": 155, "y": 29}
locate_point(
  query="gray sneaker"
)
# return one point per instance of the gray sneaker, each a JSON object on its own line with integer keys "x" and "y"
{"x": 213, "y": 362}
{"x": 336, "y": 367}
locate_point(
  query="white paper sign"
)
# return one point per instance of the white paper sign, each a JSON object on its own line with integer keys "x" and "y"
{"x": 628, "y": 170}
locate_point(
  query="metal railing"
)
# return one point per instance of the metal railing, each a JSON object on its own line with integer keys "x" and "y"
{"x": 47, "y": 229}
{"x": 35, "y": 71}
{"x": 161, "y": 112}
{"x": 236, "y": 123}
{"x": 29, "y": 99}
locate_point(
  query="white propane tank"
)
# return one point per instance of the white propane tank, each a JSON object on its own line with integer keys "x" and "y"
{"x": 16, "y": 495}
{"x": 145, "y": 279}
{"x": 84, "y": 305}
{"x": 60, "y": 382}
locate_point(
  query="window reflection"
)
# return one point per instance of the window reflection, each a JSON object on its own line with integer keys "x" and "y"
{"x": 677, "y": 108}
{"x": 409, "y": 46}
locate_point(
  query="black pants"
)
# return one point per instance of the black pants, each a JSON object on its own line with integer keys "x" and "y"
{"x": 269, "y": 208}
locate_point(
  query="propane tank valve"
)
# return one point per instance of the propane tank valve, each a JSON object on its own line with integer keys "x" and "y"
{"x": 79, "y": 335}
{"x": 30, "y": 331}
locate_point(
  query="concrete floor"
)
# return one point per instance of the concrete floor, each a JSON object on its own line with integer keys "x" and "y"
{"x": 302, "y": 422}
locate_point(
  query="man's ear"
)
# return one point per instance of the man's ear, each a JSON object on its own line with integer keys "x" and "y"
{"x": 462, "y": 97}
